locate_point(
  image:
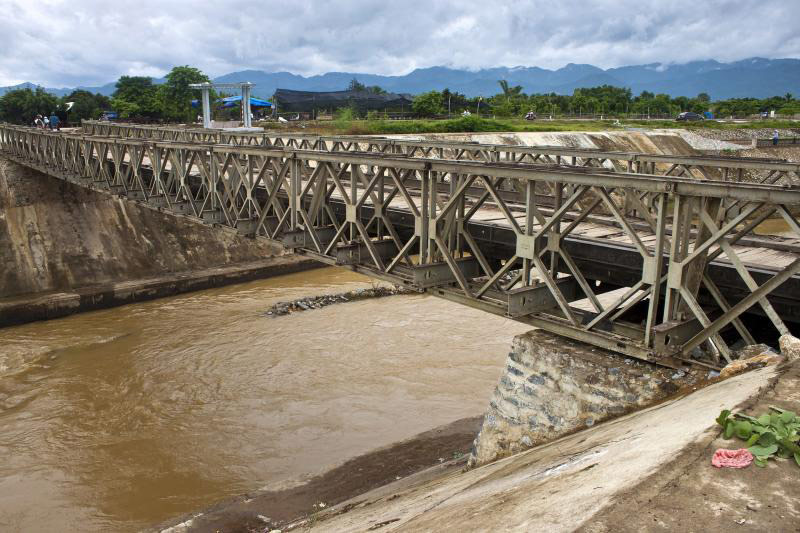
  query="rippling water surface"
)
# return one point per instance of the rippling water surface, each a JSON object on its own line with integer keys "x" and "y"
{"x": 121, "y": 419}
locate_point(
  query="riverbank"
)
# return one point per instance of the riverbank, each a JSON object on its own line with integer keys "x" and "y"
{"x": 267, "y": 510}
{"x": 22, "y": 309}
{"x": 629, "y": 474}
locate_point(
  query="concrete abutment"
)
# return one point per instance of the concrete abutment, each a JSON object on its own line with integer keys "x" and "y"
{"x": 552, "y": 386}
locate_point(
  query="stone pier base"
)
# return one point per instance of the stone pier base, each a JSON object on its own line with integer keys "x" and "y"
{"x": 553, "y": 386}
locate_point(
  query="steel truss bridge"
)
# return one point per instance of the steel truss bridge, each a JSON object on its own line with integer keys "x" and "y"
{"x": 656, "y": 257}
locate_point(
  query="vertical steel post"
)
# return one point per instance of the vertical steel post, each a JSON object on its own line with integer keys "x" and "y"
{"x": 530, "y": 208}
{"x": 657, "y": 268}
{"x": 354, "y": 170}
{"x": 246, "y": 104}
{"x": 295, "y": 189}
{"x": 559, "y": 191}
{"x": 432, "y": 196}
{"x": 214, "y": 175}
{"x": 424, "y": 216}
{"x": 381, "y": 200}
{"x": 206, "y": 105}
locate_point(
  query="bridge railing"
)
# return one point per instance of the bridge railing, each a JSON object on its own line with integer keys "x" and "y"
{"x": 726, "y": 168}
{"x": 668, "y": 284}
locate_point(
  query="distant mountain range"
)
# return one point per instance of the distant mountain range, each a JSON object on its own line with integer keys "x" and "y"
{"x": 755, "y": 77}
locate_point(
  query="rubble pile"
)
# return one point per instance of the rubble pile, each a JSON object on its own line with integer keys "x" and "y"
{"x": 317, "y": 302}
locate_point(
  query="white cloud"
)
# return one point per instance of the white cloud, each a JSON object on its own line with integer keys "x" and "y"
{"x": 89, "y": 42}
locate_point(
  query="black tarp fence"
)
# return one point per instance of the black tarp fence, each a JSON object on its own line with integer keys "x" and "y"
{"x": 307, "y": 101}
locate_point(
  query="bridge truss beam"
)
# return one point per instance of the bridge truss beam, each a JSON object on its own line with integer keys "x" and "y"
{"x": 433, "y": 224}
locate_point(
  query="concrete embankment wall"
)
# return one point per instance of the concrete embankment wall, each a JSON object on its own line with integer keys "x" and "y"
{"x": 662, "y": 142}
{"x": 56, "y": 237}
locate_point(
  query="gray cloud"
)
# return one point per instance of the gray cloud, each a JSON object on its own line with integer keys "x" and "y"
{"x": 59, "y": 43}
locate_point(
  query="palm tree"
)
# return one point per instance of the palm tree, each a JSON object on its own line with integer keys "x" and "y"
{"x": 789, "y": 97}
{"x": 509, "y": 91}
{"x": 504, "y": 86}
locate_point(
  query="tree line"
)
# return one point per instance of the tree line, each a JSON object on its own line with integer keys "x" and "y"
{"x": 134, "y": 97}
{"x": 602, "y": 100}
{"x": 140, "y": 98}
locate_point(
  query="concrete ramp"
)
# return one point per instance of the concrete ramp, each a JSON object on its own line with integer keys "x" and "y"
{"x": 555, "y": 487}
{"x": 660, "y": 142}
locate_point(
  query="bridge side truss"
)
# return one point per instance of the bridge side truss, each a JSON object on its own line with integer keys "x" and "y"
{"x": 458, "y": 230}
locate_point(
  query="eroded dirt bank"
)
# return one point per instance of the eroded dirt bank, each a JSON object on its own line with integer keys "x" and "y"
{"x": 65, "y": 249}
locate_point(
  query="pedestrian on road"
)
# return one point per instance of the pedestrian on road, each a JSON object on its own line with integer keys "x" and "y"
{"x": 55, "y": 122}
{"x": 775, "y": 138}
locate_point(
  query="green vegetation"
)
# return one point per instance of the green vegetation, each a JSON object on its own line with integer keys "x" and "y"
{"x": 171, "y": 101}
{"x": 772, "y": 434}
{"x": 429, "y": 104}
{"x": 135, "y": 97}
{"x": 604, "y": 100}
{"x": 175, "y": 97}
{"x": 22, "y": 106}
{"x": 375, "y": 125}
{"x": 85, "y": 105}
{"x": 356, "y": 85}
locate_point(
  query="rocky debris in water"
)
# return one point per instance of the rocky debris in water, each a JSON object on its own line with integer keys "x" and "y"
{"x": 317, "y": 302}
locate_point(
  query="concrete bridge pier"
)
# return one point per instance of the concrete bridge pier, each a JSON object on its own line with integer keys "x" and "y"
{"x": 553, "y": 386}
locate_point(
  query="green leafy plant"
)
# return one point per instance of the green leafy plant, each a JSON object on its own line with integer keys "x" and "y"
{"x": 775, "y": 433}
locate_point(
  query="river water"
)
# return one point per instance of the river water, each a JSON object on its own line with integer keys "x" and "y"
{"x": 123, "y": 418}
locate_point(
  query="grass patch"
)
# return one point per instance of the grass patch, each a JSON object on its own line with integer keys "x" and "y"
{"x": 345, "y": 125}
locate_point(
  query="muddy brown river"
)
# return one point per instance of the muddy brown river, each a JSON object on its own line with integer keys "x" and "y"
{"x": 121, "y": 419}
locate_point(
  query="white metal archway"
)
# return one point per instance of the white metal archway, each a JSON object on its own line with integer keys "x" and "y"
{"x": 246, "y": 89}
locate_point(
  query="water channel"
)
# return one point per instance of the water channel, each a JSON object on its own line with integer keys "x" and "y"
{"x": 123, "y": 418}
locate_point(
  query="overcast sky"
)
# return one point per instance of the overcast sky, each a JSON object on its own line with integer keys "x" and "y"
{"x": 92, "y": 42}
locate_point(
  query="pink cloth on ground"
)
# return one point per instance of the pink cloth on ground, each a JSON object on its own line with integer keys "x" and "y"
{"x": 740, "y": 458}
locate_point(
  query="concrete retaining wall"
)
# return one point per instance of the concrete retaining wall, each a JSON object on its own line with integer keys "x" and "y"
{"x": 553, "y": 386}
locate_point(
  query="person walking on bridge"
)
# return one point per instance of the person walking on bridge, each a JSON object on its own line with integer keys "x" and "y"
{"x": 775, "y": 138}
{"x": 55, "y": 122}
{"x": 38, "y": 122}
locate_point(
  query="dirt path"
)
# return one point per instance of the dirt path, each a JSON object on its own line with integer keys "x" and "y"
{"x": 689, "y": 494}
